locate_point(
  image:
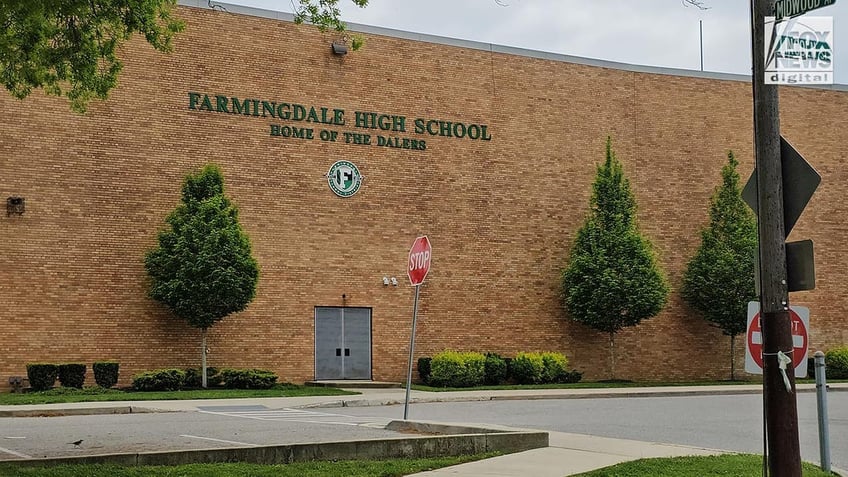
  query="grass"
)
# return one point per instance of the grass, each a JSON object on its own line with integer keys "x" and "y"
{"x": 736, "y": 465}
{"x": 93, "y": 394}
{"x": 359, "y": 468}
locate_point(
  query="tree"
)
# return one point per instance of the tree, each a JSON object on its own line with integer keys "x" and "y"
{"x": 612, "y": 280}
{"x": 68, "y": 48}
{"x": 203, "y": 269}
{"x": 719, "y": 280}
{"x": 325, "y": 14}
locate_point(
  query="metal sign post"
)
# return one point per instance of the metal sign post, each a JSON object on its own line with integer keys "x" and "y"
{"x": 411, "y": 350}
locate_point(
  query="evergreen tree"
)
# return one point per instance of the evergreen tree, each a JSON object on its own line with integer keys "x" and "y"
{"x": 612, "y": 280}
{"x": 719, "y": 280}
{"x": 203, "y": 269}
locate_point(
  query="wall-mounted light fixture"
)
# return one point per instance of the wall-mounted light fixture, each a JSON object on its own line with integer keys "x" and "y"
{"x": 339, "y": 49}
{"x": 15, "y": 205}
{"x": 385, "y": 281}
{"x": 394, "y": 281}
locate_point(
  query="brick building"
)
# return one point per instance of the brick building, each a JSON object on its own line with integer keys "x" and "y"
{"x": 490, "y": 151}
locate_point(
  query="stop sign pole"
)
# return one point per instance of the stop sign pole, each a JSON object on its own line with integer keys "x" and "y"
{"x": 781, "y": 413}
{"x": 418, "y": 265}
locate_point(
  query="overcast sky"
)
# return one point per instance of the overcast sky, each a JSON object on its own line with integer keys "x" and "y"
{"x": 645, "y": 32}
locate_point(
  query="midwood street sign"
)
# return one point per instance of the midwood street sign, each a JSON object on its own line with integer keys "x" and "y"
{"x": 315, "y": 122}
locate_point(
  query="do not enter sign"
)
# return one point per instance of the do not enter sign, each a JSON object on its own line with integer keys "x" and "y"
{"x": 800, "y": 317}
{"x": 419, "y": 260}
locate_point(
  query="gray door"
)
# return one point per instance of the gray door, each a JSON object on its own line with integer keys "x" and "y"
{"x": 342, "y": 343}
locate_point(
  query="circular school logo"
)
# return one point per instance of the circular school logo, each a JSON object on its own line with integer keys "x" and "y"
{"x": 344, "y": 178}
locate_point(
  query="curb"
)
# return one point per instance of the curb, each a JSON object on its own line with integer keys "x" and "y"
{"x": 85, "y": 411}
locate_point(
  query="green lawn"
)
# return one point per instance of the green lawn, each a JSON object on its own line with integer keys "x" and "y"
{"x": 381, "y": 468}
{"x": 63, "y": 395}
{"x": 736, "y": 465}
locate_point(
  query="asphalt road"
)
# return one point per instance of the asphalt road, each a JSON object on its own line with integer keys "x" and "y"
{"x": 719, "y": 422}
{"x": 732, "y": 423}
{"x": 222, "y": 426}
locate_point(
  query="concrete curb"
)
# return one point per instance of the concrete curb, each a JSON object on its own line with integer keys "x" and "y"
{"x": 447, "y": 443}
{"x": 78, "y": 411}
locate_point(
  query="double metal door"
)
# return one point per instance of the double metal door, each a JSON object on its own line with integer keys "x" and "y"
{"x": 342, "y": 343}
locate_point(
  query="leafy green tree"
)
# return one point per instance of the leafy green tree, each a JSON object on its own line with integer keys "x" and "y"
{"x": 325, "y": 14}
{"x": 719, "y": 280}
{"x": 612, "y": 279}
{"x": 68, "y": 47}
{"x": 203, "y": 269}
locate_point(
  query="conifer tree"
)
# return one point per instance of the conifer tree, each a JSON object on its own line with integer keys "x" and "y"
{"x": 203, "y": 269}
{"x": 719, "y": 280}
{"x": 612, "y": 279}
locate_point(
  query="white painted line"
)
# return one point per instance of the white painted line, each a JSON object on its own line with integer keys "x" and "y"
{"x": 797, "y": 341}
{"x": 220, "y": 440}
{"x": 18, "y": 454}
{"x": 14, "y": 437}
{"x": 757, "y": 338}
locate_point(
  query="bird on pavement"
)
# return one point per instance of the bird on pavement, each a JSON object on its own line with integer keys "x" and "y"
{"x": 76, "y": 443}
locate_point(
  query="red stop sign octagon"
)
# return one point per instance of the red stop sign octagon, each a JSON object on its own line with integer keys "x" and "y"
{"x": 799, "y": 339}
{"x": 419, "y": 260}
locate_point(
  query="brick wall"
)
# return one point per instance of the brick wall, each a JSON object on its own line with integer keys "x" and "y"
{"x": 501, "y": 214}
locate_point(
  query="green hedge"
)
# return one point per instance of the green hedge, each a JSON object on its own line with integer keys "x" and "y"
{"x": 527, "y": 368}
{"x": 836, "y": 363}
{"x": 248, "y": 378}
{"x": 194, "y": 377}
{"x": 554, "y": 367}
{"x": 457, "y": 369}
{"x": 42, "y": 376}
{"x": 496, "y": 369}
{"x": 424, "y": 369}
{"x": 105, "y": 373}
{"x": 72, "y": 375}
{"x": 159, "y": 380}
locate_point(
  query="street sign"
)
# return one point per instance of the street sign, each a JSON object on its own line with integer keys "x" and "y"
{"x": 419, "y": 260}
{"x": 800, "y": 180}
{"x": 800, "y": 267}
{"x": 794, "y": 8}
{"x": 800, "y": 317}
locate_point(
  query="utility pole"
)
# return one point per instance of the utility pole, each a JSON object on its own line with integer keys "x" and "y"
{"x": 784, "y": 454}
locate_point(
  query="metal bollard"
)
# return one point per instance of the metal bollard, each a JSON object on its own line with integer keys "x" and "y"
{"x": 821, "y": 400}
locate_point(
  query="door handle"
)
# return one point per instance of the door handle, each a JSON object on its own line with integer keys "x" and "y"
{"x": 338, "y": 351}
{"x": 347, "y": 351}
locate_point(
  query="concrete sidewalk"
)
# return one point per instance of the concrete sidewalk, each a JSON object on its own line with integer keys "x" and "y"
{"x": 567, "y": 454}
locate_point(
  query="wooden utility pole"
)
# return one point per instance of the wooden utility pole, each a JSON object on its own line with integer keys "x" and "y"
{"x": 784, "y": 454}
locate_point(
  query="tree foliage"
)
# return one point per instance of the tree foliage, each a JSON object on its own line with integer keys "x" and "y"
{"x": 612, "y": 280}
{"x": 68, "y": 48}
{"x": 719, "y": 280}
{"x": 203, "y": 269}
{"x": 325, "y": 14}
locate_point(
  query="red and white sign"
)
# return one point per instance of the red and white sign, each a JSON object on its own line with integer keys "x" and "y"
{"x": 800, "y": 317}
{"x": 419, "y": 260}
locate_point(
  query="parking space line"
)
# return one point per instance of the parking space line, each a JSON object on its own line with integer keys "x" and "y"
{"x": 220, "y": 440}
{"x": 18, "y": 454}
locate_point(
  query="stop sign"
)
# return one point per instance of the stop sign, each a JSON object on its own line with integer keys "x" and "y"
{"x": 800, "y": 319}
{"x": 419, "y": 260}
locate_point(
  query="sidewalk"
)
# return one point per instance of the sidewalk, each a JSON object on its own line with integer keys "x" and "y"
{"x": 567, "y": 454}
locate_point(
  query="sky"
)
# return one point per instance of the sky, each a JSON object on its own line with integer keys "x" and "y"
{"x": 661, "y": 33}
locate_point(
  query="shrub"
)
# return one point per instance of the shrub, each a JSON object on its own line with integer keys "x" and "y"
{"x": 495, "y": 367}
{"x": 424, "y": 369}
{"x": 571, "y": 377}
{"x": 527, "y": 368}
{"x": 194, "y": 377}
{"x": 72, "y": 375}
{"x": 835, "y": 360}
{"x": 105, "y": 373}
{"x": 457, "y": 369}
{"x": 248, "y": 378}
{"x": 42, "y": 376}
{"x": 159, "y": 380}
{"x": 554, "y": 367}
